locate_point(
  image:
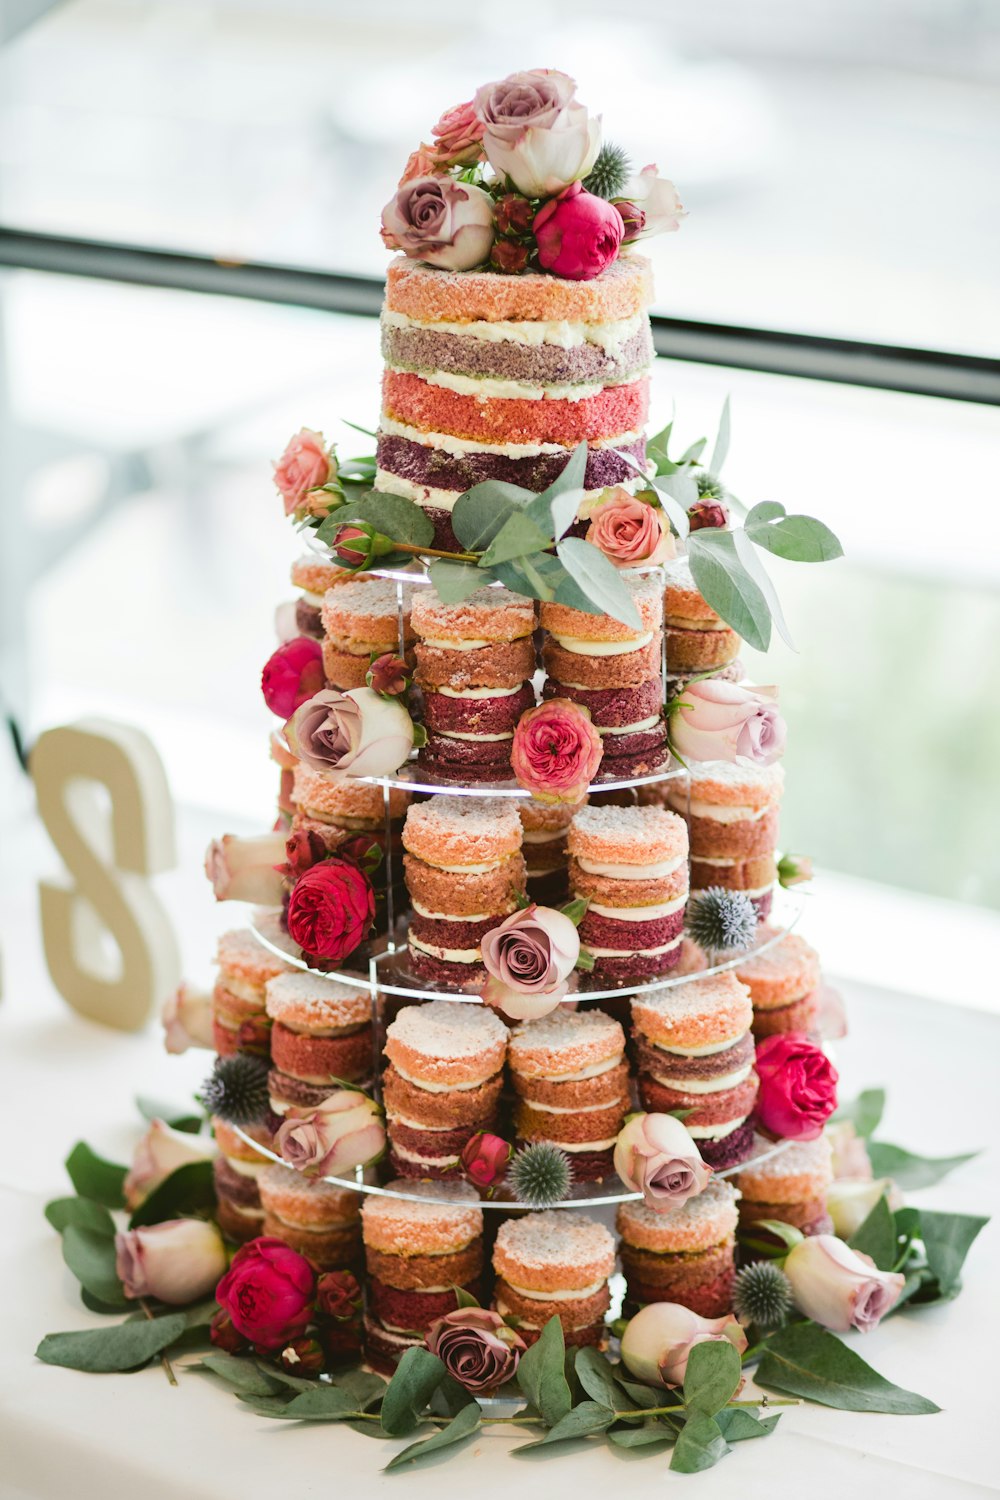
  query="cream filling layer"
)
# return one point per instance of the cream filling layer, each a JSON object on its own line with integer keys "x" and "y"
{"x": 566, "y": 1294}
{"x": 480, "y": 869}
{"x": 716, "y": 813}
{"x": 655, "y": 871}
{"x": 564, "y": 335}
{"x": 681, "y": 622}
{"x": 246, "y": 1168}
{"x": 430, "y": 495}
{"x": 240, "y": 987}
{"x": 445, "y": 442}
{"x": 542, "y": 835}
{"x": 441, "y": 916}
{"x": 447, "y": 955}
{"x": 714, "y": 1132}
{"x": 575, "y": 1109}
{"x": 441, "y": 1088}
{"x": 455, "y": 734}
{"x": 632, "y": 952}
{"x": 244, "y": 1212}
{"x": 705, "y": 1085}
{"x": 578, "y": 1147}
{"x": 602, "y": 648}
{"x": 640, "y": 913}
{"x": 637, "y": 728}
{"x": 487, "y": 388}
{"x": 425, "y": 1161}
{"x": 478, "y": 693}
{"x": 594, "y": 1071}
{"x": 707, "y": 1050}
{"x": 310, "y": 598}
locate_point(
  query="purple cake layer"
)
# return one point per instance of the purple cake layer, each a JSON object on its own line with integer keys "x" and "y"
{"x": 236, "y": 1186}
{"x": 481, "y": 752}
{"x": 457, "y": 934}
{"x": 422, "y": 464}
{"x": 640, "y": 742}
{"x": 443, "y": 971}
{"x": 463, "y": 774}
{"x": 292, "y": 1091}
{"x": 635, "y": 968}
{"x": 611, "y": 707}
{"x": 733, "y": 1149}
{"x": 424, "y": 349}
{"x": 477, "y": 715}
{"x": 431, "y": 1142}
{"x": 402, "y": 1166}
{"x": 308, "y": 619}
{"x": 628, "y": 767}
{"x": 675, "y": 1066}
{"x": 598, "y": 931}
{"x": 415, "y": 1311}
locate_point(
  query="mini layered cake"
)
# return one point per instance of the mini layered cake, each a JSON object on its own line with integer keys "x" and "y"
{"x": 616, "y": 673}
{"x": 239, "y": 1019}
{"x": 685, "y": 1254}
{"x": 361, "y": 620}
{"x": 733, "y": 824}
{"x": 499, "y": 377}
{"x": 569, "y": 1073}
{"x": 417, "y": 1253}
{"x": 465, "y": 873}
{"x": 334, "y": 810}
{"x": 695, "y": 1052}
{"x": 631, "y": 865}
{"x": 442, "y": 1083}
{"x": 546, "y": 858}
{"x": 784, "y": 984}
{"x": 554, "y": 1265}
{"x": 321, "y": 1037}
{"x": 698, "y": 641}
{"x": 237, "y": 1171}
{"x": 475, "y": 663}
{"x": 321, "y": 1221}
{"x": 313, "y": 575}
{"x": 789, "y": 1183}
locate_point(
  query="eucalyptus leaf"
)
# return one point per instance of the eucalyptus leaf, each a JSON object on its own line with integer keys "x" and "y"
{"x": 126, "y": 1346}
{"x": 541, "y": 1374}
{"x": 658, "y": 446}
{"x": 90, "y": 1255}
{"x": 642, "y": 1395}
{"x": 796, "y": 538}
{"x": 455, "y": 581}
{"x": 391, "y": 515}
{"x": 699, "y": 1446}
{"x": 244, "y": 1375}
{"x": 584, "y": 1420}
{"x": 480, "y": 513}
{"x": 651, "y": 1432}
{"x": 756, "y": 570}
{"x": 677, "y": 492}
{"x": 737, "y": 1424}
{"x": 519, "y": 536}
{"x": 597, "y": 1378}
{"x": 460, "y": 1427}
{"x": 190, "y": 1190}
{"x": 693, "y": 452}
{"x": 947, "y": 1240}
{"x": 600, "y": 581}
{"x": 805, "y": 1360}
{"x": 877, "y": 1236}
{"x": 724, "y": 583}
{"x": 321, "y": 1403}
{"x": 909, "y": 1170}
{"x": 96, "y": 1305}
{"x": 721, "y": 449}
{"x": 95, "y": 1177}
{"x": 865, "y": 1112}
{"x": 177, "y": 1119}
{"x": 417, "y": 1375}
{"x": 464, "y": 1298}
{"x": 83, "y": 1212}
{"x": 786, "y": 1233}
{"x": 712, "y": 1377}
{"x": 555, "y": 508}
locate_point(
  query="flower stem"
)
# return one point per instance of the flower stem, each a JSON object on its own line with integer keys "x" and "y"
{"x": 168, "y": 1368}
{"x": 466, "y": 557}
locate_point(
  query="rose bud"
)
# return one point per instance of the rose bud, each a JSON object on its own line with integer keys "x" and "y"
{"x": 186, "y": 1018}
{"x": 458, "y": 137}
{"x": 529, "y": 958}
{"x": 849, "y": 1201}
{"x": 477, "y": 1347}
{"x": 331, "y": 909}
{"x": 794, "y": 869}
{"x": 658, "y": 1340}
{"x": 509, "y": 257}
{"x": 514, "y": 214}
{"x": 268, "y": 1292}
{"x": 578, "y": 234}
{"x": 484, "y": 1158}
{"x": 388, "y": 675}
{"x": 556, "y": 751}
{"x": 292, "y": 674}
{"x": 176, "y": 1262}
{"x": 225, "y": 1335}
{"x": 798, "y": 1087}
{"x": 286, "y": 626}
{"x": 838, "y": 1287}
{"x": 630, "y": 532}
{"x": 713, "y": 720}
{"x": 159, "y": 1153}
{"x": 342, "y": 1133}
{"x": 306, "y": 463}
{"x": 352, "y": 545}
{"x": 246, "y": 869}
{"x": 633, "y": 218}
{"x": 304, "y": 847}
{"x": 359, "y": 732}
{"x": 707, "y": 514}
{"x": 302, "y": 1356}
{"x": 850, "y": 1153}
{"x": 656, "y": 1156}
{"x": 338, "y": 1295}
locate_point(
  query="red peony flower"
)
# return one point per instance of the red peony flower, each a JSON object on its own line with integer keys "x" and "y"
{"x": 268, "y": 1292}
{"x": 292, "y": 674}
{"x": 556, "y": 751}
{"x": 331, "y": 909}
{"x": 798, "y": 1087}
{"x": 484, "y": 1157}
{"x": 578, "y": 234}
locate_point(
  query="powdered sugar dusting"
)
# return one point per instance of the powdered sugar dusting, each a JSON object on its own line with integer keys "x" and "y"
{"x": 372, "y": 596}
{"x": 553, "y": 1239}
{"x": 794, "y": 1159}
{"x": 569, "y": 1034}
{"x": 443, "y": 1030}
{"x": 627, "y": 835}
{"x": 322, "y": 1002}
{"x": 463, "y": 1215}
{"x": 239, "y": 950}
{"x": 487, "y": 818}
{"x": 700, "y": 997}
{"x": 706, "y": 1206}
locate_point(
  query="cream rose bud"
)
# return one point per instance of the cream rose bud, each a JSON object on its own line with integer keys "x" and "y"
{"x": 186, "y": 1018}
{"x": 246, "y": 869}
{"x": 850, "y": 1153}
{"x": 159, "y": 1152}
{"x": 656, "y": 1156}
{"x": 359, "y": 733}
{"x": 839, "y": 1287}
{"x": 344, "y": 1132}
{"x": 658, "y": 1340}
{"x": 849, "y": 1201}
{"x": 176, "y": 1262}
{"x": 657, "y": 197}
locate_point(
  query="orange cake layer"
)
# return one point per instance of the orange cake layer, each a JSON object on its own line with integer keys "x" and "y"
{"x": 431, "y": 295}
{"x": 433, "y": 408}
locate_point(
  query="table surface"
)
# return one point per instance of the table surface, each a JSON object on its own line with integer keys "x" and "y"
{"x": 63, "y": 1078}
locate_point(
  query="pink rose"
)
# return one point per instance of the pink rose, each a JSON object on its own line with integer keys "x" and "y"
{"x": 630, "y": 532}
{"x": 442, "y": 222}
{"x": 268, "y": 1292}
{"x": 186, "y": 1018}
{"x": 578, "y": 234}
{"x": 838, "y": 1287}
{"x": 292, "y": 674}
{"x": 484, "y": 1158}
{"x": 388, "y": 675}
{"x": 419, "y": 163}
{"x": 714, "y": 720}
{"x": 175, "y": 1262}
{"x": 159, "y": 1153}
{"x": 342, "y": 1133}
{"x": 850, "y": 1152}
{"x": 246, "y": 869}
{"x": 656, "y": 1156}
{"x": 306, "y": 463}
{"x": 359, "y": 733}
{"x": 798, "y": 1087}
{"x": 657, "y": 200}
{"x": 556, "y": 751}
{"x": 529, "y": 957}
{"x": 535, "y": 133}
{"x": 707, "y": 515}
{"x": 458, "y": 137}
{"x": 476, "y": 1346}
{"x": 657, "y": 1342}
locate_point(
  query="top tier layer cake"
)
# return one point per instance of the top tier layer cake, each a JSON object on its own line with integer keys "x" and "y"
{"x": 490, "y": 376}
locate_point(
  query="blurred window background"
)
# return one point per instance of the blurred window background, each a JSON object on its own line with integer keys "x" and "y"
{"x": 839, "y": 161}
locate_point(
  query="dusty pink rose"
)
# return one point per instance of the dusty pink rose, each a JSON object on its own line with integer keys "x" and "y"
{"x": 658, "y": 1341}
{"x": 656, "y": 198}
{"x": 477, "y": 1347}
{"x": 535, "y": 133}
{"x": 458, "y": 137}
{"x": 838, "y": 1287}
{"x": 446, "y": 223}
{"x": 656, "y": 1156}
{"x": 850, "y": 1151}
{"x": 177, "y": 1261}
{"x": 246, "y": 869}
{"x": 578, "y": 234}
{"x": 360, "y": 732}
{"x": 186, "y": 1018}
{"x": 342, "y": 1133}
{"x": 716, "y": 720}
{"x": 484, "y": 1158}
{"x": 630, "y": 532}
{"x": 159, "y": 1153}
{"x": 307, "y": 462}
{"x": 292, "y": 674}
{"x": 556, "y": 751}
{"x": 419, "y": 163}
{"x": 529, "y": 958}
